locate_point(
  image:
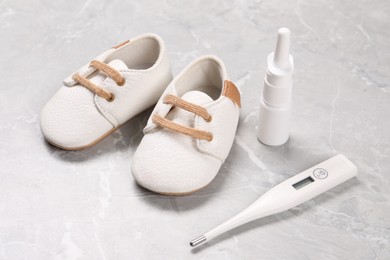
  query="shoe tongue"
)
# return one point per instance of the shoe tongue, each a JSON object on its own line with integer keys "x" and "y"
{"x": 100, "y": 77}
{"x": 118, "y": 65}
{"x": 185, "y": 117}
{"x": 197, "y": 97}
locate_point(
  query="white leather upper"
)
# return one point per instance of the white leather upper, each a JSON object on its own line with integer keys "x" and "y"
{"x": 70, "y": 118}
{"x": 170, "y": 162}
{"x": 223, "y": 126}
{"x": 142, "y": 89}
{"x": 163, "y": 158}
{"x": 76, "y": 117}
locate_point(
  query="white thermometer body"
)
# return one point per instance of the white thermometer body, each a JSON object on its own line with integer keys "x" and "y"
{"x": 290, "y": 193}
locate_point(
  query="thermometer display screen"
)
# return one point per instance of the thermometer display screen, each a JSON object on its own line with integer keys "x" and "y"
{"x": 303, "y": 183}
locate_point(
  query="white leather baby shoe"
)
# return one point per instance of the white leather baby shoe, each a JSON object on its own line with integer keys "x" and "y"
{"x": 107, "y": 92}
{"x": 190, "y": 132}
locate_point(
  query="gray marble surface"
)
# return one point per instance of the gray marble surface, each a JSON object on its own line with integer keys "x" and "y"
{"x": 85, "y": 205}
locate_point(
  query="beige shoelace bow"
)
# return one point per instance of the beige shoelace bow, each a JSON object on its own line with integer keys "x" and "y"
{"x": 198, "y": 110}
{"x": 109, "y": 71}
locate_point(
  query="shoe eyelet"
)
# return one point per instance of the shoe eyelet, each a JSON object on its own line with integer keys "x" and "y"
{"x": 123, "y": 82}
{"x": 112, "y": 97}
{"x": 209, "y": 119}
{"x": 211, "y": 137}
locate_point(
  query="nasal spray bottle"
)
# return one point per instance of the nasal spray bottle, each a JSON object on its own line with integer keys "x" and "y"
{"x": 276, "y": 100}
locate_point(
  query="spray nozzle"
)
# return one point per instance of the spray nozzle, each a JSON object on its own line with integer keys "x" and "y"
{"x": 282, "y": 50}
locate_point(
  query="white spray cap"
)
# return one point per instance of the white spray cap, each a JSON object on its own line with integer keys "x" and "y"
{"x": 278, "y": 81}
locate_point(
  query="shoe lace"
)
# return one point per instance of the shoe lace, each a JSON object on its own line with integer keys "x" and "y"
{"x": 175, "y": 127}
{"x": 109, "y": 71}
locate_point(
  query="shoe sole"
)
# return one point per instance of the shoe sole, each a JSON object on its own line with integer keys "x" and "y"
{"x": 84, "y": 146}
{"x": 176, "y": 193}
{"x": 181, "y": 193}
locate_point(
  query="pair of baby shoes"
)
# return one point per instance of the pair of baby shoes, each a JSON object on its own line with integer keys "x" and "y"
{"x": 189, "y": 133}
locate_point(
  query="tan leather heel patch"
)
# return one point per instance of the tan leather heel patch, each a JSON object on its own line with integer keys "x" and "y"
{"x": 120, "y": 44}
{"x": 231, "y": 91}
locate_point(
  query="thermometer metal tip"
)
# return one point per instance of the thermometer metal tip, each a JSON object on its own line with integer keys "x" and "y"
{"x": 198, "y": 241}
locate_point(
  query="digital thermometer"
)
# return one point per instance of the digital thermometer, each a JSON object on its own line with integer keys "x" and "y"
{"x": 290, "y": 193}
